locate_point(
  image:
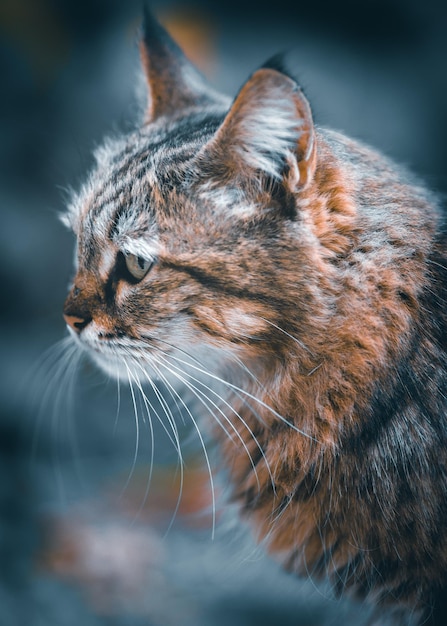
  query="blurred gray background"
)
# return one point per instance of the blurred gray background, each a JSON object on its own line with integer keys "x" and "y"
{"x": 80, "y": 543}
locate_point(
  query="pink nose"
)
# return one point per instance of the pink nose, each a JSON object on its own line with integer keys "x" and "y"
{"x": 76, "y": 323}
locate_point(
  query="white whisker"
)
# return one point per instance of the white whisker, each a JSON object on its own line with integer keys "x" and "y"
{"x": 118, "y": 400}
{"x": 246, "y": 393}
{"x": 61, "y": 356}
{"x": 171, "y": 421}
{"x": 175, "y": 442}
{"x": 151, "y": 461}
{"x": 57, "y": 390}
{"x": 255, "y": 380}
{"x": 180, "y": 464}
{"x": 202, "y": 443}
{"x": 137, "y": 428}
{"x": 297, "y": 341}
{"x": 71, "y": 424}
{"x": 233, "y": 410}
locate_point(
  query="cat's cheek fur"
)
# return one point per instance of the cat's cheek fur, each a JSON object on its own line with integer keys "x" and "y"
{"x": 229, "y": 324}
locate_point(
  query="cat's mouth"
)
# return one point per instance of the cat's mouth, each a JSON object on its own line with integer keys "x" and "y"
{"x": 121, "y": 360}
{"x": 124, "y": 358}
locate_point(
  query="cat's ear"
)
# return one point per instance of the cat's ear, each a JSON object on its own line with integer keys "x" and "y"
{"x": 174, "y": 84}
{"x": 269, "y": 128}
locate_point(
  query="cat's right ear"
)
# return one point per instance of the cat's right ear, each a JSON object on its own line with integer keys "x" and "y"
{"x": 268, "y": 130}
{"x": 174, "y": 84}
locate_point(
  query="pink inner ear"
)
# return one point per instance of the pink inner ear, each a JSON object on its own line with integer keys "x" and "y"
{"x": 306, "y": 147}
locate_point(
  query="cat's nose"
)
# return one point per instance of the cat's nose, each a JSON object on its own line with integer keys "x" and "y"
{"x": 75, "y": 322}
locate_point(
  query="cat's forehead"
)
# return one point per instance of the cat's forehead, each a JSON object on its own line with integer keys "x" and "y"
{"x": 151, "y": 189}
{"x": 135, "y": 173}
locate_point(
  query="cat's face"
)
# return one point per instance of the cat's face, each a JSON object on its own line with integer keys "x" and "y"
{"x": 185, "y": 229}
{"x": 165, "y": 259}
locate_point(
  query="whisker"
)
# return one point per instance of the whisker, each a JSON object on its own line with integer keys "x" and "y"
{"x": 60, "y": 400}
{"x": 313, "y": 370}
{"x": 202, "y": 443}
{"x": 118, "y": 400}
{"x": 254, "y": 379}
{"x": 171, "y": 421}
{"x": 178, "y": 349}
{"x": 436, "y": 263}
{"x": 182, "y": 472}
{"x": 54, "y": 353}
{"x": 137, "y": 428}
{"x": 248, "y": 394}
{"x": 51, "y": 377}
{"x": 151, "y": 463}
{"x": 297, "y": 341}
{"x": 243, "y": 366}
{"x": 175, "y": 442}
{"x": 242, "y": 420}
{"x": 60, "y": 355}
{"x": 71, "y": 424}
{"x": 172, "y": 424}
{"x": 232, "y": 357}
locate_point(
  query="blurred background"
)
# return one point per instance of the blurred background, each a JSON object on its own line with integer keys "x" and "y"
{"x": 81, "y": 542}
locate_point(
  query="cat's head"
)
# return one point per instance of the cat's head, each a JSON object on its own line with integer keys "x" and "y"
{"x": 187, "y": 228}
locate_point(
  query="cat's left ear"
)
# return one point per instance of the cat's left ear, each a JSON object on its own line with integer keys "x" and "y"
{"x": 268, "y": 129}
{"x": 174, "y": 84}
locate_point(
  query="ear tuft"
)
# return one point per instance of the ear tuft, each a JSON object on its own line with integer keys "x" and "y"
{"x": 278, "y": 63}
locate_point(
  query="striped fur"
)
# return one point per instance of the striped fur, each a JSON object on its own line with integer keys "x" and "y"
{"x": 307, "y": 273}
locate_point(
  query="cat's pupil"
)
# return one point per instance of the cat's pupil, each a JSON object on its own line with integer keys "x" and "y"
{"x": 141, "y": 262}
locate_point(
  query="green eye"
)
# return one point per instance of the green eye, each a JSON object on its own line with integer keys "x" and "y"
{"x": 138, "y": 266}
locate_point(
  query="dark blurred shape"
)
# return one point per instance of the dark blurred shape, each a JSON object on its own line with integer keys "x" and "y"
{"x": 36, "y": 34}
{"x": 16, "y": 502}
{"x": 259, "y": 613}
{"x": 18, "y": 519}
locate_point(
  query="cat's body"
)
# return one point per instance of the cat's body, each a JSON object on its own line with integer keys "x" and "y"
{"x": 311, "y": 273}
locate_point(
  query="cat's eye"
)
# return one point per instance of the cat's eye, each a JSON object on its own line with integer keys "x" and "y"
{"x": 138, "y": 266}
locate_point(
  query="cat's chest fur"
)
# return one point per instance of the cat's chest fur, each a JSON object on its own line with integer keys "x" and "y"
{"x": 306, "y": 274}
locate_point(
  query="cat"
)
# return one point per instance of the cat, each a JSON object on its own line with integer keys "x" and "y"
{"x": 234, "y": 242}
